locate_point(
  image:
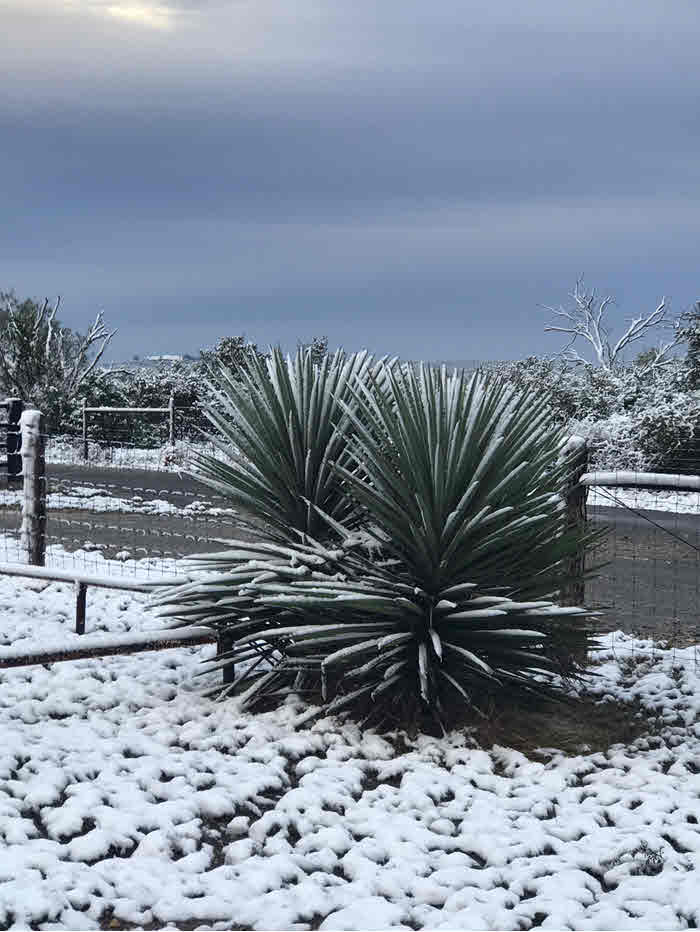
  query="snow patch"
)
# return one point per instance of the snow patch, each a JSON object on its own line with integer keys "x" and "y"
{"x": 124, "y": 790}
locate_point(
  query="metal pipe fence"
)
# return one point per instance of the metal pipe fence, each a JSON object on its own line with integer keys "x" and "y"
{"x": 130, "y": 412}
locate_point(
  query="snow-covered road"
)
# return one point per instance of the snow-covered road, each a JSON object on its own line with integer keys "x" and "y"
{"x": 124, "y": 794}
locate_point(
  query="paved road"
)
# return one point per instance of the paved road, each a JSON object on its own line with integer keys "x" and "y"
{"x": 149, "y": 483}
{"x": 651, "y": 585}
{"x": 160, "y": 535}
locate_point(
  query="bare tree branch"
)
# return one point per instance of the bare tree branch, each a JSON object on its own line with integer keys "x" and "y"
{"x": 586, "y": 320}
{"x": 98, "y": 331}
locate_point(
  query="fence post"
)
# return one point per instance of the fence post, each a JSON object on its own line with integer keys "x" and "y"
{"x": 14, "y": 438}
{"x": 33, "y": 530}
{"x": 80, "y": 596}
{"x": 576, "y": 452}
{"x": 224, "y": 644}
{"x": 171, "y": 418}
{"x": 85, "y": 439}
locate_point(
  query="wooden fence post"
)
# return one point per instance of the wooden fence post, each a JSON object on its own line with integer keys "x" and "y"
{"x": 33, "y": 530}
{"x": 80, "y": 597}
{"x": 171, "y": 418}
{"x": 576, "y": 451}
{"x": 85, "y": 438}
{"x": 224, "y": 644}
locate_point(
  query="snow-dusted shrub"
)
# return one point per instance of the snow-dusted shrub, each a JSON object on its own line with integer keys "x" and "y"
{"x": 613, "y": 442}
{"x": 669, "y": 433}
{"x": 544, "y": 374}
{"x": 44, "y": 363}
{"x": 458, "y": 481}
{"x": 634, "y": 417}
{"x": 576, "y": 392}
{"x": 152, "y": 388}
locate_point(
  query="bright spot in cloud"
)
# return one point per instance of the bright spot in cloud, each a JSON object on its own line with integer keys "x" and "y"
{"x": 142, "y": 14}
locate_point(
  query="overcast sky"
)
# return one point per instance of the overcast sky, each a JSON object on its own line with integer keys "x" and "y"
{"x": 409, "y": 176}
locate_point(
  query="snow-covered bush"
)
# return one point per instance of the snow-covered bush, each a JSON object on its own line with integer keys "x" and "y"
{"x": 668, "y": 432}
{"x": 613, "y": 442}
{"x": 634, "y": 417}
{"x": 651, "y": 425}
{"x": 456, "y": 480}
{"x": 543, "y": 373}
{"x": 44, "y": 363}
{"x": 152, "y": 388}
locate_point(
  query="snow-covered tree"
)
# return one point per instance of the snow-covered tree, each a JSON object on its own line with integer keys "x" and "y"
{"x": 586, "y": 320}
{"x": 41, "y": 361}
{"x": 690, "y": 331}
{"x": 231, "y": 352}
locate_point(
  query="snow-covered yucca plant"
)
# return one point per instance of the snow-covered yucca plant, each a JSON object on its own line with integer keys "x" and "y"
{"x": 460, "y": 484}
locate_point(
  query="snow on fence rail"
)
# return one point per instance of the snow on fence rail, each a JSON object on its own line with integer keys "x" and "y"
{"x": 657, "y": 480}
{"x": 105, "y": 646}
{"x": 81, "y": 582}
{"x": 101, "y": 645}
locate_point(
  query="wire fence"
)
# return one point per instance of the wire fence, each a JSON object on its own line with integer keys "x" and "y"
{"x": 130, "y": 510}
{"x": 650, "y": 583}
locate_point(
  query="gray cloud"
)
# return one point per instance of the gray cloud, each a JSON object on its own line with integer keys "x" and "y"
{"x": 312, "y": 164}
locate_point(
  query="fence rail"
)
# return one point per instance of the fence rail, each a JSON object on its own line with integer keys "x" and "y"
{"x": 632, "y": 479}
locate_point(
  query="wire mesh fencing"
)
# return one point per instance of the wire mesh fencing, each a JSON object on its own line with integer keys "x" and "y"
{"x": 650, "y": 583}
{"x": 128, "y": 510}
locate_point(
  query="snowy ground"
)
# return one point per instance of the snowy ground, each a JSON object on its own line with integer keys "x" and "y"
{"x": 126, "y": 797}
{"x": 94, "y": 499}
{"x": 88, "y": 559}
{"x": 69, "y": 451}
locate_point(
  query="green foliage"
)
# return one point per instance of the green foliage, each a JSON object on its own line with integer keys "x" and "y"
{"x": 444, "y": 596}
{"x": 690, "y": 332}
{"x": 282, "y": 426}
{"x": 230, "y": 352}
{"x": 318, "y": 347}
